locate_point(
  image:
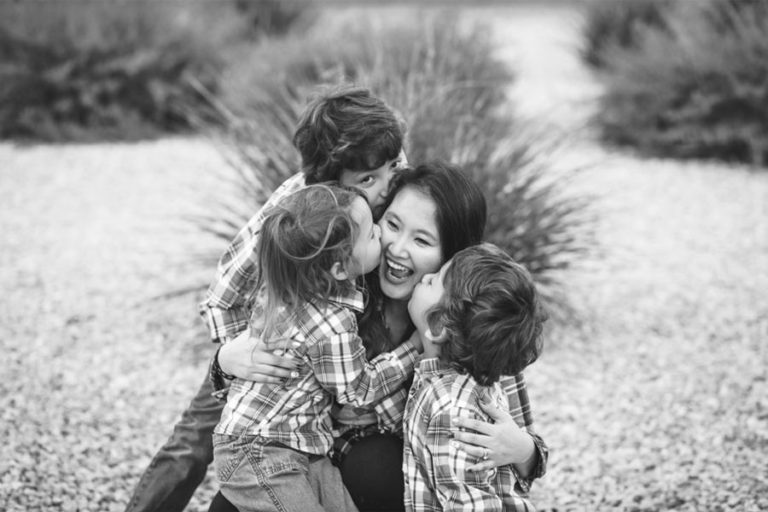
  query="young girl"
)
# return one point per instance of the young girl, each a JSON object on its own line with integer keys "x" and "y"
{"x": 481, "y": 316}
{"x": 271, "y": 443}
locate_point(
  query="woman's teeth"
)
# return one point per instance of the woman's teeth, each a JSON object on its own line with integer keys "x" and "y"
{"x": 398, "y": 271}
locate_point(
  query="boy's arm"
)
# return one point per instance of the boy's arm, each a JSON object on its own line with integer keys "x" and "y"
{"x": 340, "y": 365}
{"x": 456, "y": 488}
{"x": 520, "y": 409}
{"x": 225, "y": 307}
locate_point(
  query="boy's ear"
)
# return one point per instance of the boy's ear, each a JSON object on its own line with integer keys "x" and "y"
{"x": 338, "y": 272}
{"x": 439, "y": 339}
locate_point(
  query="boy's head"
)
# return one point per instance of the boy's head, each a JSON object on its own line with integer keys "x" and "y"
{"x": 487, "y": 311}
{"x": 348, "y": 135}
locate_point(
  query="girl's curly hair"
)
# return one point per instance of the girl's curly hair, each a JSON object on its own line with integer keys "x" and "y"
{"x": 301, "y": 238}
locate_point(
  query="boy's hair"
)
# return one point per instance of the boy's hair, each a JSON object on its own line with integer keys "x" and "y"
{"x": 491, "y": 314}
{"x": 346, "y": 128}
{"x": 461, "y": 207}
{"x": 301, "y": 238}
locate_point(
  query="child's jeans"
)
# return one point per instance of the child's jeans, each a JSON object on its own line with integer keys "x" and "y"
{"x": 259, "y": 476}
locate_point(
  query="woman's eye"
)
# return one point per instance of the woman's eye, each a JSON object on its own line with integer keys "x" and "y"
{"x": 391, "y": 225}
{"x": 366, "y": 181}
{"x": 422, "y": 242}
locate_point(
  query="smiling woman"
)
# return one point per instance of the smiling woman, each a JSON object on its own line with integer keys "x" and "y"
{"x": 433, "y": 211}
{"x": 410, "y": 242}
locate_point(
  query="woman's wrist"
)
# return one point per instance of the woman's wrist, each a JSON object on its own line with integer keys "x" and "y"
{"x": 216, "y": 368}
{"x": 526, "y": 466}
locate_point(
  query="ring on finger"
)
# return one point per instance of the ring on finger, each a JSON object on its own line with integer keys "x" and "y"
{"x": 485, "y": 453}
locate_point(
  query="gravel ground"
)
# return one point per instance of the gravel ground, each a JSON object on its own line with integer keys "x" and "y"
{"x": 657, "y": 399}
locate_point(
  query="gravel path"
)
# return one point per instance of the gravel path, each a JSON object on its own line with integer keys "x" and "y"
{"x": 657, "y": 399}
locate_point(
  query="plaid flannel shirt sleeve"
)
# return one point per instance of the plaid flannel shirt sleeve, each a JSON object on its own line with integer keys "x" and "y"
{"x": 520, "y": 409}
{"x": 456, "y": 488}
{"x": 340, "y": 365}
{"x": 389, "y": 411}
{"x": 225, "y": 308}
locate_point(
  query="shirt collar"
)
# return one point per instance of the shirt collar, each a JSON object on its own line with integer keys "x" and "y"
{"x": 434, "y": 365}
{"x": 353, "y": 299}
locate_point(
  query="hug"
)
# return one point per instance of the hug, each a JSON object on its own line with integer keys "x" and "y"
{"x": 371, "y": 346}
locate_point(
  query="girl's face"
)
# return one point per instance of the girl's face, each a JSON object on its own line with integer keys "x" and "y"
{"x": 366, "y": 253}
{"x": 426, "y": 296}
{"x": 410, "y": 243}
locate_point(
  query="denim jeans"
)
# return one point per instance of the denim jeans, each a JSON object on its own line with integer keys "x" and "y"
{"x": 258, "y": 476}
{"x": 180, "y": 465}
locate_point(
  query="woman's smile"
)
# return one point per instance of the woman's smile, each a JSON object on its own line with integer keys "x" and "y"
{"x": 395, "y": 271}
{"x": 410, "y": 242}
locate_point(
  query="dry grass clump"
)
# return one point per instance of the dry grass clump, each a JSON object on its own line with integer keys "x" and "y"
{"x": 443, "y": 79}
{"x": 89, "y": 71}
{"x": 696, "y": 88}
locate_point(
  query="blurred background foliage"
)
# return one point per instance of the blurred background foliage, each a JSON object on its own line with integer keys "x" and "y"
{"x": 90, "y": 71}
{"x": 442, "y": 78}
{"x": 682, "y": 79}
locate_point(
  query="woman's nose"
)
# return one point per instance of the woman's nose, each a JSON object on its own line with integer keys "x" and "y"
{"x": 397, "y": 246}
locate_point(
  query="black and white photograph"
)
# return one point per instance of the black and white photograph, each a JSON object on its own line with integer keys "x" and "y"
{"x": 383, "y": 255}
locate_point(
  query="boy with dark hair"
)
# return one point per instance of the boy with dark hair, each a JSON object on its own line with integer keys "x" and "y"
{"x": 346, "y": 135}
{"x": 486, "y": 313}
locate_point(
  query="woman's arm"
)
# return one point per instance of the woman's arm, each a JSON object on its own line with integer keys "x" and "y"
{"x": 509, "y": 438}
{"x": 247, "y": 357}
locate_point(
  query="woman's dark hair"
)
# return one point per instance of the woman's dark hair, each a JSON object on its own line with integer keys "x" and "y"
{"x": 346, "y": 128}
{"x": 461, "y": 213}
{"x": 460, "y": 203}
{"x": 490, "y": 314}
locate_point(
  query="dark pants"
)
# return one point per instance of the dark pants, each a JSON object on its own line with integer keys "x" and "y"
{"x": 372, "y": 472}
{"x": 180, "y": 465}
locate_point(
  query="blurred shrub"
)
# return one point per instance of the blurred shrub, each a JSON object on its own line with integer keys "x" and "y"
{"x": 450, "y": 89}
{"x": 698, "y": 89}
{"x": 118, "y": 70}
{"x": 611, "y": 25}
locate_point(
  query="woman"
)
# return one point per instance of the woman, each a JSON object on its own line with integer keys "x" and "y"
{"x": 433, "y": 212}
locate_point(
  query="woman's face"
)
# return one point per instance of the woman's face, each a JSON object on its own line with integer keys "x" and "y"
{"x": 410, "y": 243}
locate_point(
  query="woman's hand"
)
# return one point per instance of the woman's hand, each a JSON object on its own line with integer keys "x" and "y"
{"x": 499, "y": 443}
{"x": 247, "y": 358}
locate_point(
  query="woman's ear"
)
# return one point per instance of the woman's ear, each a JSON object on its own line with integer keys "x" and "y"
{"x": 338, "y": 272}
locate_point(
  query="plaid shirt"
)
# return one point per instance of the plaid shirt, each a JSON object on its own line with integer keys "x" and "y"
{"x": 225, "y": 308}
{"x": 296, "y": 413}
{"x": 436, "y": 476}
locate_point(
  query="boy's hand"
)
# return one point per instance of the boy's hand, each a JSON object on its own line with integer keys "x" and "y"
{"x": 247, "y": 358}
